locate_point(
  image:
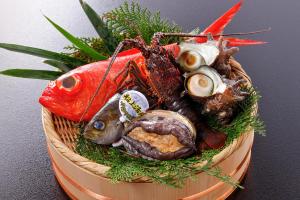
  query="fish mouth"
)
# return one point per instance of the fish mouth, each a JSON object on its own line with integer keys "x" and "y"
{"x": 44, "y": 101}
{"x": 47, "y": 101}
{"x": 93, "y": 135}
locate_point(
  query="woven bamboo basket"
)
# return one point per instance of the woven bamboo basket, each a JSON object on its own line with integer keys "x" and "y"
{"x": 84, "y": 179}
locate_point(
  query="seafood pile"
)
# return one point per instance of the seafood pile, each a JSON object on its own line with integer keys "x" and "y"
{"x": 151, "y": 100}
{"x": 161, "y": 117}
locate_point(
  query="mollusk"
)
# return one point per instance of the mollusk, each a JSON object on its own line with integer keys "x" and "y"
{"x": 160, "y": 135}
{"x": 217, "y": 95}
{"x": 193, "y": 55}
{"x": 204, "y": 82}
{"x": 105, "y": 127}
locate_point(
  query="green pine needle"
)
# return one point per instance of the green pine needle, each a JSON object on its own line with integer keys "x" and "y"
{"x": 245, "y": 119}
{"x": 130, "y": 20}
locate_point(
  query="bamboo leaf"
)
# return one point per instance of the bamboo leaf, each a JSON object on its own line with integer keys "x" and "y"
{"x": 42, "y": 53}
{"x": 31, "y": 73}
{"x": 62, "y": 66}
{"x": 77, "y": 42}
{"x": 100, "y": 26}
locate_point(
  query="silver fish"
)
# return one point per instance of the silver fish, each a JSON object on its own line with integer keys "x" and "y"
{"x": 105, "y": 127}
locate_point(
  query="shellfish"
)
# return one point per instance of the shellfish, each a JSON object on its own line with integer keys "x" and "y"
{"x": 193, "y": 55}
{"x": 218, "y": 95}
{"x": 160, "y": 135}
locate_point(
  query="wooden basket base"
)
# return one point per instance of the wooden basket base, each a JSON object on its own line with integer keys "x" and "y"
{"x": 82, "y": 184}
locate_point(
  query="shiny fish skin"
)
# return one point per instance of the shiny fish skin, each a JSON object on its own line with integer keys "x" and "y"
{"x": 113, "y": 128}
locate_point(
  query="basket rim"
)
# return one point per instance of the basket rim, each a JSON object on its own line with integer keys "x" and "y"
{"x": 100, "y": 170}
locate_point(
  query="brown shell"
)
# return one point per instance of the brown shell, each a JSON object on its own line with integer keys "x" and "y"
{"x": 162, "y": 143}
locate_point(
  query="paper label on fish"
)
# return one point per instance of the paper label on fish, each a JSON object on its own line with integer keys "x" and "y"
{"x": 132, "y": 104}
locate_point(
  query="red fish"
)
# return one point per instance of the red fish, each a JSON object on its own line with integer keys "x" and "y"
{"x": 68, "y": 96}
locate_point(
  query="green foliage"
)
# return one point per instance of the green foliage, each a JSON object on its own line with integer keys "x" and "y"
{"x": 126, "y": 21}
{"x": 62, "y": 62}
{"x": 78, "y": 43}
{"x": 127, "y": 168}
{"x": 109, "y": 41}
{"x": 95, "y": 43}
{"x": 59, "y": 65}
{"x": 131, "y": 20}
{"x": 31, "y": 73}
{"x": 42, "y": 53}
{"x": 245, "y": 120}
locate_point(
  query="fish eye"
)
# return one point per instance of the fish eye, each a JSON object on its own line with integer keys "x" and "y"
{"x": 68, "y": 82}
{"x": 190, "y": 60}
{"x": 99, "y": 125}
{"x": 200, "y": 85}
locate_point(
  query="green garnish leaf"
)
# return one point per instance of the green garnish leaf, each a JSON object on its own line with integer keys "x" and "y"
{"x": 32, "y": 73}
{"x": 96, "y": 43}
{"x": 81, "y": 45}
{"x": 42, "y": 53}
{"x": 100, "y": 26}
{"x": 130, "y": 20}
{"x": 245, "y": 120}
{"x": 59, "y": 65}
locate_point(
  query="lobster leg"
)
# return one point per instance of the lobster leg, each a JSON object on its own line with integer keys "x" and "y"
{"x": 159, "y": 35}
{"x": 138, "y": 43}
{"x": 131, "y": 68}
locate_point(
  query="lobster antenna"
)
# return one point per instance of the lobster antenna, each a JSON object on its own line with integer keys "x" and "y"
{"x": 113, "y": 58}
{"x": 205, "y": 35}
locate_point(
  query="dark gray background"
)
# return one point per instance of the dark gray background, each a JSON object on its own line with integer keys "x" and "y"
{"x": 274, "y": 173}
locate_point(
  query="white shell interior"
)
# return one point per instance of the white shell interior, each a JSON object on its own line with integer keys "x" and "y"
{"x": 208, "y": 53}
{"x": 205, "y": 82}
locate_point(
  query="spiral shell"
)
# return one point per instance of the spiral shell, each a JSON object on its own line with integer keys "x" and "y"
{"x": 192, "y": 55}
{"x": 204, "y": 82}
